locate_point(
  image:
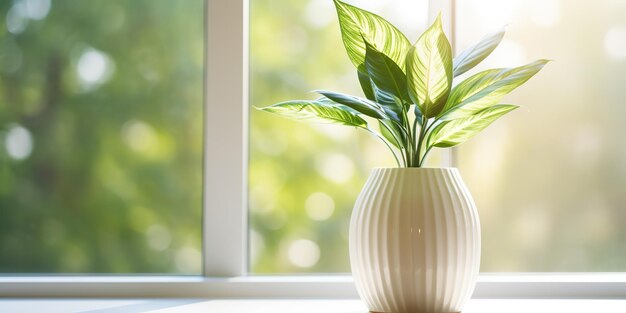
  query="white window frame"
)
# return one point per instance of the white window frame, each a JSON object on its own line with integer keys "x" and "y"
{"x": 225, "y": 220}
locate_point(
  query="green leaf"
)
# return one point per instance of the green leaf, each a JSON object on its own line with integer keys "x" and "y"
{"x": 366, "y": 83}
{"x": 418, "y": 115}
{"x": 389, "y": 136}
{"x": 429, "y": 70}
{"x": 477, "y": 53}
{"x": 320, "y": 111}
{"x": 355, "y": 23}
{"x": 486, "y": 88}
{"x": 388, "y": 80}
{"x": 452, "y": 133}
{"x": 363, "y": 106}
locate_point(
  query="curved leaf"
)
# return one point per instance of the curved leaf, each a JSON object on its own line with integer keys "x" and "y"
{"x": 452, "y": 133}
{"x": 366, "y": 83}
{"x": 355, "y": 23}
{"x": 363, "y": 106}
{"x": 486, "y": 88}
{"x": 388, "y": 135}
{"x": 320, "y": 111}
{"x": 477, "y": 53}
{"x": 429, "y": 70}
{"x": 388, "y": 80}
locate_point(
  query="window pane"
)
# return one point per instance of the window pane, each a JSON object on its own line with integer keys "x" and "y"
{"x": 304, "y": 178}
{"x": 101, "y": 136}
{"x": 549, "y": 179}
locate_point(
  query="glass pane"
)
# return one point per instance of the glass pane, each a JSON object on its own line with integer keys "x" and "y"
{"x": 304, "y": 178}
{"x": 101, "y": 136}
{"x": 549, "y": 179}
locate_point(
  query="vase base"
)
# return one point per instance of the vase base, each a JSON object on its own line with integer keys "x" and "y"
{"x": 413, "y": 312}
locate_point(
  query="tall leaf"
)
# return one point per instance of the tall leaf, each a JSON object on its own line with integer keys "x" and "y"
{"x": 391, "y": 136}
{"x": 366, "y": 82}
{"x": 452, "y": 133}
{"x": 390, "y": 104}
{"x": 355, "y": 23}
{"x": 487, "y": 88}
{"x": 387, "y": 78}
{"x": 429, "y": 70}
{"x": 363, "y": 106}
{"x": 477, "y": 53}
{"x": 321, "y": 111}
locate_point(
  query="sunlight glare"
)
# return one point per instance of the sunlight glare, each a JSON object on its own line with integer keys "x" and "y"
{"x": 320, "y": 13}
{"x": 335, "y": 167}
{"x": 615, "y": 42}
{"x": 493, "y": 14}
{"x": 546, "y": 13}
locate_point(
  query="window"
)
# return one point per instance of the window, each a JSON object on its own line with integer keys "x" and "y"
{"x": 304, "y": 178}
{"x": 101, "y": 136}
{"x": 549, "y": 181}
{"x": 224, "y": 242}
{"x": 546, "y": 181}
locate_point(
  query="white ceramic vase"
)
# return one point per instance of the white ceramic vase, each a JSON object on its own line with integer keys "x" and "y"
{"x": 415, "y": 241}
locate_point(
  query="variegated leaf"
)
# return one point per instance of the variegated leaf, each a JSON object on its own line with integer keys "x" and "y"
{"x": 486, "y": 88}
{"x": 320, "y": 111}
{"x": 452, "y": 133}
{"x": 356, "y": 23}
{"x": 477, "y": 53}
{"x": 363, "y": 106}
{"x": 387, "y": 78}
{"x": 429, "y": 70}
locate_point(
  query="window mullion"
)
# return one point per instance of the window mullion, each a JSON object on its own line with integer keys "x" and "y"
{"x": 226, "y": 123}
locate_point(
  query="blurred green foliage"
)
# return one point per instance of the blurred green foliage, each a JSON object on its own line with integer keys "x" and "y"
{"x": 303, "y": 177}
{"x": 101, "y": 164}
{"x": 547, "y": 203}
{"x": 101, "y": 136}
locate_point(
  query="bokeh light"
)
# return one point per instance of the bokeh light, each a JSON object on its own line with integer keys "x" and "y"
{"x": 94, "y": 68}
{"x": 319, "y": 206}
{"x": 304, "y": 253}
{"x": 18, "y": 142}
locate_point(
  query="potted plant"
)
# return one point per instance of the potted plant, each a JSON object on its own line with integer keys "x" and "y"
{"x": 414, "y": 231}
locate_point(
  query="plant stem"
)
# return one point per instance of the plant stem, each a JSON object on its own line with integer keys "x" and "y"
{"x": 409, "y": 140}
{"x": 386, "y": 144}
{"x": 415, "y": 120}
{"x": 423, "y": 130}
{"x": 424, "y": 156}
{"x": 397, "y": 141}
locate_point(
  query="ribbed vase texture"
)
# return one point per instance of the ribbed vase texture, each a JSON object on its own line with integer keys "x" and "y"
{"x": 415, "y": 241}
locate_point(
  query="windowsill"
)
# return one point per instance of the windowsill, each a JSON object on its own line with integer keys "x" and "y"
{"x": 288, "y": 306}
{"x": 489, "y": 286}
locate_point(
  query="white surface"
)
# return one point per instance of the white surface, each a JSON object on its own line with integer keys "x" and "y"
{"x": 490, "y": 286}
{"x": 292, "y": 306}
{"x": 415, "y": 241}
{"x": 225, "y": 224}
